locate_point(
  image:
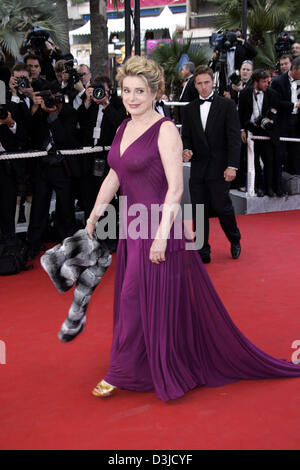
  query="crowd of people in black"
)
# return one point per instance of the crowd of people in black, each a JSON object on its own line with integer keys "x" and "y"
{"x": 267, "y": 102}
{"x": 64, "y": 109}
{"x": 52, "y": 106}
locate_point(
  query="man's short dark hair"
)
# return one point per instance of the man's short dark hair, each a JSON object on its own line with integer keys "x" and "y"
{"x": 20, "y": 67}
{"x": 259, "y": 74}
{"x": 296, "y": 63}
{"x": 31, "y": 56}
{"x": 103, "y": 79}
{"x": 201, "y": 69}
{"x": 286, "y": 56}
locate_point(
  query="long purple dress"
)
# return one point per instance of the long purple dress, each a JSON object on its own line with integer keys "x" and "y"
{"x": 171, "y": 330}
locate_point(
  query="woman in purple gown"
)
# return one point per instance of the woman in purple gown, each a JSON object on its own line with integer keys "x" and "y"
{"x": 171, "y": 330}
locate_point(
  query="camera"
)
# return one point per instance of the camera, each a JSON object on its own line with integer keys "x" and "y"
{"x": 22, "y": 82}
{"x": 36, "y": 40}
{"x": 51, "y": 100}
{"x": 283, "y": 43}
{"x": 235, "y": 78}
{"x": 74, "y": 75}
{"x": 224, "y": 41}
{"x": 99, "y": 91}
{"x": 265, "y": 121}
{"x": 3, "y": 111}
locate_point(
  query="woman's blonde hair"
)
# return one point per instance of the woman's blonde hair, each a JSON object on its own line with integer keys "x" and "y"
{"x": 147, "y": 69}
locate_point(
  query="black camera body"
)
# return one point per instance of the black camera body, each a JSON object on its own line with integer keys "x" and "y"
{"x": 36, "y": 40}
{"x": 74, "y": 75}
{"x": 22, "y": 82}
{"x": 225, "y": 41}
{"x": 51, "y": 100}
{"x": 235, "y": 78}
{"x": 264, "y": 121}
{"x": 283, "y": 44}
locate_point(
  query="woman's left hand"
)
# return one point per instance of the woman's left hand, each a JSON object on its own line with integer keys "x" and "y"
{"x": 157, "y": 251}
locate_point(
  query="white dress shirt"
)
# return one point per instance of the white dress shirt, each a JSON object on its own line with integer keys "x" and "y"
{"x": 258, "y": 98}
{"x": 204, "y": 109}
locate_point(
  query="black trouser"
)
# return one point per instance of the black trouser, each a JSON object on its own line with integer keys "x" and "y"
{"x": 272, "y": 160}
{"x": 8, "y": 200}
{"x": 51, "y": 177}
{"x": 292, "y": 149}
{"x": 215, "y": 196}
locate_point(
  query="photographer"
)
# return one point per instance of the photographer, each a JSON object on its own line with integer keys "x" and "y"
{"x": 34, "y": 64}
{"x": 287, "y": 85}
{"x": 38, "y": 42}
{"x": 55, "y": 124}
{"x": 295, "y": 50}
{"x": 239, "y": 81}
{"x": 14, "y": 137}
{"x": 285, "y": 63}
{"x": 229, "y": 54}
{"x": 99, "y": 117}
{"x": 259, "y": 109}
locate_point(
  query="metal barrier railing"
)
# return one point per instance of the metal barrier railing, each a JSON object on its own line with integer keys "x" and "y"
{"x": 250, "y": 159}
{"x": 37, "y": 153}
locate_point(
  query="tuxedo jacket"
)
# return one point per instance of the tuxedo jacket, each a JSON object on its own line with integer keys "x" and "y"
{"x": 166, "y": 110}
{"x": 271, "y": 100}
{"x": 113, "y": 115}
{"x": 281, "y": 84}
{"x": 62, "y": 129}
{"x": 219, "y": 145}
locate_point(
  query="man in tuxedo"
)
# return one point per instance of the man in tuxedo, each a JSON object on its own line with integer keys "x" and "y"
{"x": 188, "y": 92}
{"x": 34, "y": 64}
{"x": 55, "y": 128}
{"x": 211, "y": 140}
{"x": 256, "y": 103}
{"x": 288, "y": 87}
{"x": 240, "y": 51}
{"x": 99, "y": 120}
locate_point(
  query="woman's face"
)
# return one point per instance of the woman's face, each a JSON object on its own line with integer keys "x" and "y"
{"x": 137, "y": 96}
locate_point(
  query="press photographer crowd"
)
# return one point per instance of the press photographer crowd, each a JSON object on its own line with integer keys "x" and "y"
{"x": 50, "y": 104}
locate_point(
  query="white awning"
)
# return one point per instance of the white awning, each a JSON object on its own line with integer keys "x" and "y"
{"x": 166, "y": 20}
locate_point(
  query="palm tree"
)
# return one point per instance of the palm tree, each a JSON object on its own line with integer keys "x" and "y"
{"x": 168, "y": 55}
{"x": 99, "y": 36}
{"x": 262, "y": 16}
{"x": 19, "y": 16}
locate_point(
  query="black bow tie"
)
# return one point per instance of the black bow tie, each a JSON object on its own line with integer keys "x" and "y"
{"x": 159, "y": 103}
{"x": 232, "y": 49}
{"x": 207, "y": 100}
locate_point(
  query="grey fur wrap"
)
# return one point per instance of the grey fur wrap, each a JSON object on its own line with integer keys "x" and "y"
{"x": 80, "y": 260}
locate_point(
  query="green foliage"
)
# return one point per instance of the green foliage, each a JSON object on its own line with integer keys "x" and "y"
{"x": 18, "y": 16}
{"x": 266, "y": 54}
{"x": 168, "y": 54}
{"x": 262, "y": 16}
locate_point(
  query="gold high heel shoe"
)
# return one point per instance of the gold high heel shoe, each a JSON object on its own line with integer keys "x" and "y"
{"x": 104, "y": 389}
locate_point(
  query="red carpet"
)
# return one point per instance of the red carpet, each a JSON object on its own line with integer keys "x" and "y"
{"x": 45, "y": 385}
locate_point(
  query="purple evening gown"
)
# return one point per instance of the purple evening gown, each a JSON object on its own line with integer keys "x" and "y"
{"x": 171, "y": 331}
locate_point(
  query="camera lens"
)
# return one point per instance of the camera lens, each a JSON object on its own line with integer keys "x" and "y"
{"x": 99, "y": 91}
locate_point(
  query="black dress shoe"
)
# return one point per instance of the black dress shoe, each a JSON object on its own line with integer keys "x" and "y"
{"x": 280, "y": 193}
{"x": 260, "y": 192}
{"x": 235, "y": 250}
{"x": 271, "y": 193}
